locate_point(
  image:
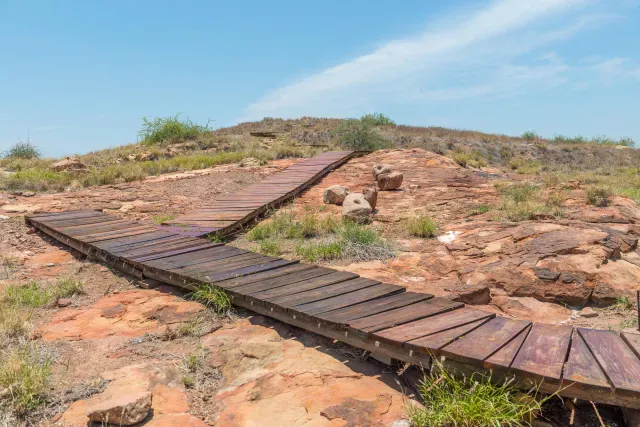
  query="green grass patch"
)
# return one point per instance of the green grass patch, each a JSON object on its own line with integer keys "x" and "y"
{"x": 212, "y": 297}
{"x": 270, "y": 247}
{"x": 422, "y": 226}
{"x": 320, "y": 251}
{"x": 14, "y": 322}
{"x": 162, "y": 218}
{"x": 24, "y": 374}
{"x": 467, "y": 158}
{"x": 471, "y": 402}
{"x": 479, "y": 210}
{"x": 599, "y": 195}
{"x": 527, "y": 202}
{"x": 34, "y": 295}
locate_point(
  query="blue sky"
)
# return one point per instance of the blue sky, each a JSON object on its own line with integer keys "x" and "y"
{"x": 76, "y": 76}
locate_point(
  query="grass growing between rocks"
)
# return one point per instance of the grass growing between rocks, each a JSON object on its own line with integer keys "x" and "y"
{"x": 314, "y": 238}
{"x": 34, "y": 295}
{"x": 527, "y": 201}
{"x": 471, "y": 402}
{"x": 212, "y": 297}
{"x": 422, "y": 226}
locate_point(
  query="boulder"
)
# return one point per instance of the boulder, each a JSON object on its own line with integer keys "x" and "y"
{"x": 390, "y": 181}
{"x": 371, "y": 194}
{"x": 473, "y": 294}
{"x": 71, "y": 164}
{"x": 125, "y": 409}
{"x": 588, "y": 312}
{"x": 356, "y": 207}
{"x": 379, "y": 169}
{"x": 335, "y": 194}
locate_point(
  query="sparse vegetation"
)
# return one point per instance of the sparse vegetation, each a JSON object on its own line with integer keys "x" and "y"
{"x": 360, "y": 135}
{"x": 270, "y": 247}
{"x": 476, "y": 401}
{"x": 24, "y": 375}
{"x": 162, "y": 218}
{"x": 467, "y": 158}
{"x": 599, "y": 195}
{"x": 22, "y": 150}
{"x": 320, "y": 251}
{"x": 212, "y": 297}
{"x": 7, "y": 264}
{"x": 479, "y": 210}
{"x": 599, "y": 140}
{"x": 422, "y": 226}
{"x": 526, "y": 201}
{"x": 624, "y": 303}
{"x": 169, "y": 130}
{"x": 13, "y": 322}
{"x": 33, "y": 294}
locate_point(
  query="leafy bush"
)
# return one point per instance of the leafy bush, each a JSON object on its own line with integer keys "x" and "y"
{"x": 166, "y": 130}
{"x": 377, "y": 119}
{"x": 422, "y": 226}
{"x": 359, "y": 135}
{"x": 22, "y": 150}
{"x": 474, "y": 401}
{"x": 530, "y": 135}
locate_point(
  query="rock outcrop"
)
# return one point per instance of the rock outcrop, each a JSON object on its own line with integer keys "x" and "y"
{"x": 390, "y": 181}
{"x": 70, "y": 164}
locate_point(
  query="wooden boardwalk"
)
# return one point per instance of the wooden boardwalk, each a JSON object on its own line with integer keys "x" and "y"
{"x": 589, "y": 364}
{"x": 228, "y": 213}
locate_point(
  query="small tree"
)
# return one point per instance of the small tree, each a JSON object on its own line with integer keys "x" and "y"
{"x": 23, "y": 150}
{"x": 359, "y": 135}
{"x": 530, "y": 135}
{"x": 377, "y": 119}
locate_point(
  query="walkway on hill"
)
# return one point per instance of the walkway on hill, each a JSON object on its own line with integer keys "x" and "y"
{"x": 385, "y": 319}
{"x": 232, "y": 211}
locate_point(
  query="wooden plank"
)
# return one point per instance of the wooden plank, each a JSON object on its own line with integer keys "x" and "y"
{"x": 352, "y": 298}
{"x": 431, "y": 325}
{"x": 618, "y": 361}
{"x": 324, "y": 292}
{"x": 248, "y": 270}
{"x": 403, "y": 315}
{"x": 432, "y": 344}
{"x": 310, "y": 283}
{"x": 265, "y": 276}
{"x": 369, "y": 308}
{"x": 256, "y": 290}
{"x": 503, "y": 358}
{"x": 582, "y": 367}
{"x": 633, "y": 341}
{"x": 543, "y": 353}
{"x": 486, "y": 340}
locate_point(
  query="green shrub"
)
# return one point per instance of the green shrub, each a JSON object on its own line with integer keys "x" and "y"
{"x": 479, "y": 210}
{"x": 357, "y": 233}
{"x": 22, "y": 150}
{"x": 422, "y": 226}
{"x": 354, "y": 134}
{"x": 166, "y": 130}
{"x": 467, "y": 158}
{"x": 530, "y": 135}
{"x": 212, "y": 297}
{"x": 377, "y": 119}
{"x": 476, "y": 401}
{"x": 599, "y": 195}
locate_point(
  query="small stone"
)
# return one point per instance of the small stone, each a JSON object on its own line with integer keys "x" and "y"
{"x": 64, "y": 302}
{"x": 413, "y": 188}
{"x": 3, "y": 217}
{"x": 371, "y": 194}
{"x": 356, "y": 207}
{"x": 335, "y": 194}
{"x": 126, "y": 409}
{"x": 31, "y": 231}
{"x": 28, "y": 194}
{"x": 390, "y": 181}
{"x": 588, "y": 312}
{"x": 546, "y": 274}
{"x": 379, "y": 169}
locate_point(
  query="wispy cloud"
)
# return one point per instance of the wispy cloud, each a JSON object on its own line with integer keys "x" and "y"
{"x": 474, "y": 57}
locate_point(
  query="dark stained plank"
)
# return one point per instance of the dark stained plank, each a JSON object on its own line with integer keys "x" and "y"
{"x": 615, "y": 357}
{"x": 266, "y": 276}
{"x": 503, "y": 358}
{"x": 431, "y": 344}
{"x": 311, "y": 283}
{"x": 431, "y": 325}
{"x": 257, "y": 290}
{"x": 543, "y": 353}
{"x": 248, "y": 270}
{"x": 324, "y": 292}
{"x": 352, "y": 298}
{"x": 369, "y": 308}
{"x": 581, "y": 366}
{"x": 486, "y": 340}
{"x": 410, "y": 313}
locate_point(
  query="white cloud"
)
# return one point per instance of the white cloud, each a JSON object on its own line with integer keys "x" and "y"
{"x": 478, "y": 52}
